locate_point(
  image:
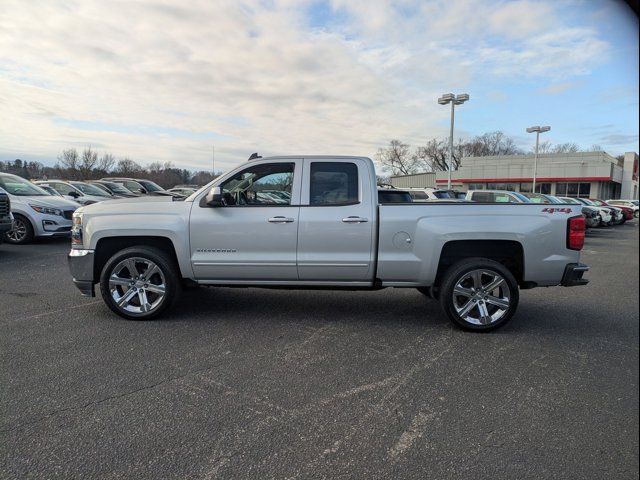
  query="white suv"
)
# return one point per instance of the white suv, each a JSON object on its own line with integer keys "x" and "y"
{"x": 80, "y": 192}
{"x": 36, "y": 212}
{"x": 496, "y": 196}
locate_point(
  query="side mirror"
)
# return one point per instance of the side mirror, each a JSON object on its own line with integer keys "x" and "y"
{"x": 214, "y": 197}
{"x": 74, "y": 194}
{"x": 142, "y": 190}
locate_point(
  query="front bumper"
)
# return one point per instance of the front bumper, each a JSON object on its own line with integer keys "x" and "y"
{"x": 6, "y": 224}
{"x": 81, "y": 267}
{"x": 573, "y": 273}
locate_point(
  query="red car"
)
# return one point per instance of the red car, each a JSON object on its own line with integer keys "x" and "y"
{"x": 626, "y": 211}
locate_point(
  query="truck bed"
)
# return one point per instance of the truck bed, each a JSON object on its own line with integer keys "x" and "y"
{"x": 413, "y": 236}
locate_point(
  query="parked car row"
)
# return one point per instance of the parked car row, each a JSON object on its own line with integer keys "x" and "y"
{"x": 44, "y": 208}
{"x": 597, "y": 213}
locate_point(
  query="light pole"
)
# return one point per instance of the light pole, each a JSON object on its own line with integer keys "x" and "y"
{"x": 538, "y": 130}
{"x": 453, "y": 100}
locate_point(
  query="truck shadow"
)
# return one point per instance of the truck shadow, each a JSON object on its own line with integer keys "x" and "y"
{"x": 405, "y": 308}
{"x": 408, "y": 308}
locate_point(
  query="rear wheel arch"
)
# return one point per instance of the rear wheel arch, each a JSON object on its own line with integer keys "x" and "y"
{"x": 509, "y": 253}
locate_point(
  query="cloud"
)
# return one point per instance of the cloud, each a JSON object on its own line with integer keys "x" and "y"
{"x": 558, "y": 88}
{"x": 157, "y": 80}
{"x": 619, "y": 139}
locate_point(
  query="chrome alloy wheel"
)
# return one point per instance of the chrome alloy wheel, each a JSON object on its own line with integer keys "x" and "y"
{"x": 481, "y": 297}
{"x": 137, "y": 285}
{"x": 19, "y": 231}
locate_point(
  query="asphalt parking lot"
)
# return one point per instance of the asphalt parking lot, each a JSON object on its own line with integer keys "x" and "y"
{"x": 249, "y": 383}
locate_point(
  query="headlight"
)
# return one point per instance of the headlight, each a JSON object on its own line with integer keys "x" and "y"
{"x": 46, "y": 210}
{"x": 76, "y": 231}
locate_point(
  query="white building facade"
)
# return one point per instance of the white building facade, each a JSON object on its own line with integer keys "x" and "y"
{"x": 584, "y": 174}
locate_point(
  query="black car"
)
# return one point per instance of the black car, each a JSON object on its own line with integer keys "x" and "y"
{"x": 140, "y": 186}
{"x": 391, "y": 195}
{"x": 6, "y": 221}
{"x": 115, "y": 189}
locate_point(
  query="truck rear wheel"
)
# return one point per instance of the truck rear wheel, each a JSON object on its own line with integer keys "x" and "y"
{"x": 139, "y": 283}
{"x": 479, "y": 294}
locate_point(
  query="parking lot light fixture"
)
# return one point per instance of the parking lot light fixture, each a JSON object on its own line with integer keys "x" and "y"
{"x": 453, "y": 100}
{"x": 537, "y": 129}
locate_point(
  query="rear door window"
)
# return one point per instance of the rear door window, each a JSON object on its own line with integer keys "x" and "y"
{"x": 333, "y": 183}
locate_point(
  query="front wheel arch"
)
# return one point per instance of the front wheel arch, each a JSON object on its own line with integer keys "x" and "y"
{"x": 30, "y": 234}
{"x": 168, "y": 272}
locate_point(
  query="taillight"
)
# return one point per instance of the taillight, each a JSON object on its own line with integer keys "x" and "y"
{"x": 576, "y": 227}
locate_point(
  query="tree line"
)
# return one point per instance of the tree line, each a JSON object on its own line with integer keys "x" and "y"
{"x": 90, "y": 165}
{"x": 401, "y": 159}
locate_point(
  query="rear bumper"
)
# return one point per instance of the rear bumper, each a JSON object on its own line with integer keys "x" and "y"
{"x": 573, "y": 273}
{"x": 81, "y": 267}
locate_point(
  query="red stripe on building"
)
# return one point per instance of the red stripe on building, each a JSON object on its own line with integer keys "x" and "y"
{"x": 527, "y": 180}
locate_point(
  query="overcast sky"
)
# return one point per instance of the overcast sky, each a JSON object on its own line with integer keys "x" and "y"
{"x": 166, "y": 80}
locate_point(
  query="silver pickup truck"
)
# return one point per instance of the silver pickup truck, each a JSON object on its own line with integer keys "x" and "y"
{"x": 315, "y": 222}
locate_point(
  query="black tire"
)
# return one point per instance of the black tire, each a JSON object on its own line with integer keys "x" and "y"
{"x": 172, "y": 281}
{"x": 22, "y": 231}
{"x": 458, "y": 272}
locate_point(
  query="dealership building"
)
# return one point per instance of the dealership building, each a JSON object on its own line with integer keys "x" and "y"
{"x": 583, "y": 174}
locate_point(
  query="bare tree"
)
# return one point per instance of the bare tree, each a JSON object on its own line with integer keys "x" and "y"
{"x": 489, "y": 144}
{"x": 88, "y": 161}
{"x": 544, "y": 147}
{"x": 397, "y": 157}
{"x": 596, "y": 148}
{"x": 69, "y": 160}
{"x": 127, "y": 167}
{"x": 568, "y": 147}
{"x": 106, "y": 163}
{"x": 435, "y": 155}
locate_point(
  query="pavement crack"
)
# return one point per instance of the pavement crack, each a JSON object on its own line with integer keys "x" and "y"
{"x": 54, "y": 413}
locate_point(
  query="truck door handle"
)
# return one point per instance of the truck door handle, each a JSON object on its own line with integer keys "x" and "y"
{"x": 354, "y": 220}
{"x": 280, "y": 220}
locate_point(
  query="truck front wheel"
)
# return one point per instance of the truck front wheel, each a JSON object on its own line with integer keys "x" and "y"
{"x": 479, "y": 294}
{"x": 139, "y": 283}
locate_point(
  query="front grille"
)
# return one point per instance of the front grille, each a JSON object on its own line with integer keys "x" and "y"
{"x": 5, "y": 205}
{"x": 68, "y": 214}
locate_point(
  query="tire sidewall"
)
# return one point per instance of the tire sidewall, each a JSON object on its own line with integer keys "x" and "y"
{"x": 30, "y": 233}
{"x": 169, "y": 270}
{"x": 459, "y": 269}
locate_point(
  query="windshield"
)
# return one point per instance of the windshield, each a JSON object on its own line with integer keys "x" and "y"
{"x": 442, "y": 194}
{"x": 150, "y": 186}
{"x": 586, "y": 202}
{"x": 521, "y": 197}
{"x": 90, "y": 189}
{"x": 116, "y": 188}
{"x": 19, "y": 186}
{"x": 571, "y": 201}
{"x": 50, "y": 190}
{"x": 553, "y": 199}
{"x": 600, "y": 203}
{"x": 536, "y": 198}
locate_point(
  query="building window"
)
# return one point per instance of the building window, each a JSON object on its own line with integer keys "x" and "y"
{"x": 573, "y": 189}
{"x": 477, "y": 186}
{"x": 526, "y": 187}
{"x": 585, "y": 190}
{"x": 544, "y": 188}
{"x": 511, "y": 187}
